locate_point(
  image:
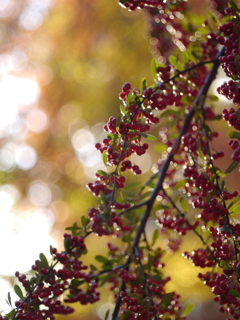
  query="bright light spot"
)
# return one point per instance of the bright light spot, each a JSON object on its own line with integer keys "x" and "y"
{"x": 6, "y": 8}
{"x": 101, "y": 311}
{"x": 7, "y": 156}
{"x": 144, "y": 162}
{"x": 30, "y": 19}
{"x": 37, "y": 121}
{"x": 14, "y": 93}
{"x": 39, "y": 193}
{"x": 20, "y": 236}
{"x": 84, "y": 144}
{"x": 25, "y": 157}
{"x": 8, "y": 195}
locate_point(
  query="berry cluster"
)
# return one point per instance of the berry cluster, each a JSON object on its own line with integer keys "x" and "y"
{"x": 48, "y": 284}
{"x": 232, "y": 117}
{"x": 201, "y": 258}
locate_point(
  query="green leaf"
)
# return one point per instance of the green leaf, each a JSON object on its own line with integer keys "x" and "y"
{"x": 10, "y": 315}
{"x": 44, "y": 262}
{"x": 213, "y": 97}
{"x": 232, "y": 5}
{"x": 104, "y": 157}
{"x": 157, "y": 277}
{"x": 9, "y": 300}
{"x": 102, "y": 173}
{"x": 160, "y": 147}
{"x": 155, "y": 236}
{"x": 18, "y": 291}
{"x": 118, "y": 121}
{"x": 184, "y": 205}
{"x": 147, "y": 136}
{"x": 165, "y": 300}
{"x": 212, "y": 16}
{"x": 180, "y": 184}
{"x": 67, "y": 245}
{"x": 74, "y": 229}
{"x": 235, "y": 209}
{"x": 123, "y": 111}
{"x": 143, "y": 85}
{"x": 101, "y": 259}
{"x": 187, "y": 309}
{"x": 106, "y": 314}
{"x": 169, "y": 112}
{"x": 75, "y": 283}
{"x": 234, "y": 135}
{"x": 224, "y": 265}
{"x": 174, "y": 61}
{"x": 232, "y": 166}
{"x": 234, "y": 293}
{"x": 84, "y": 221}
{"x": 217, "y": 117}
{"x": 190, "y": 56}
{"x": 233, "y": 202}
{"x": 92, "y": 267}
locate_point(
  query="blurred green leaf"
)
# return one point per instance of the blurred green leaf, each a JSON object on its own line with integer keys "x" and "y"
{"x": 187, "y": 310}
{"x": 18, "y": 291}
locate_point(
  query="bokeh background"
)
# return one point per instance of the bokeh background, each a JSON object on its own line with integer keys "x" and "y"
{"x": 62, "y": 65}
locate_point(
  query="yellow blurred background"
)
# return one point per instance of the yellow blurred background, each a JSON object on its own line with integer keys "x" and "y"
{"x": 62, "y": 65}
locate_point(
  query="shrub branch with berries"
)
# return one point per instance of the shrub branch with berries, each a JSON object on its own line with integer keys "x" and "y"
{"x": 186, "y": 175}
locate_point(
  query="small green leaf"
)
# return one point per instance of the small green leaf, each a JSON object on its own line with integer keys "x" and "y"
{"x": 234, "y": 135}
{"x": 44, "y": 262}
{"x": 9, "y": 300}
{"x": 10, "y": 315}
{"x": 143, "y": 85}
{"x": 232, "y": 5}
{"x": 102, "y": 173}
{"x": 184, "y": 205}
{"x": 165, "y": 300}
{"x": 213, "y": 97}
{"x": 235, "y": 209}
{"x": 18, "y": 291}
{"x": 118, "y": 121}
{"x": 232, "y": 166}
{"x": 234, "y": 293}
{"x": 224, "y": 265}
{"x": 147, "y": 136}
{"x": 180, "y": 184}
{"x": 217, "y": 117}
{"x": 155, "y": 236}
{"x": 101, "y": 259}
{"x": 75, "y": 283}
{"x": 84, "y": 221}
{"x": 123, "y": 111}
{"x": 174, "y": 62}
{"x": 106, "y": 314}
{"x": 187, "y": 310}
{"x": 157, "y": 277}
{"x": 160, "y": 147}
{"x": 92, "y": 267}
{"x": 67, "y": 245}
{"x": 74, "y": 229}
{"x": 233, "y": 202}
{"x": 212, "y": 16}
{"x": 104, "y": 157}
{"x": 169, "y": 112}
